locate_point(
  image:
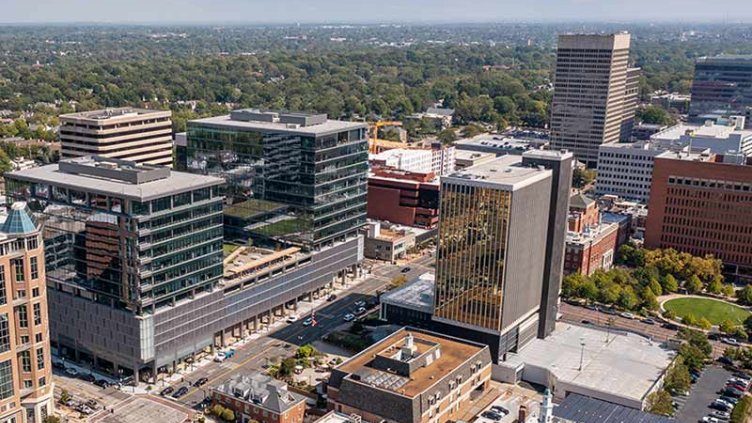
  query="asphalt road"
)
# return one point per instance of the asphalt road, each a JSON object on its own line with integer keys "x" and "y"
{"x": 704, "y": 392}
{"x": 283, "y": 341}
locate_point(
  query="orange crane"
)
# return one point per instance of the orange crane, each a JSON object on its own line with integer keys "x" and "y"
{"x": 374, "y": 141}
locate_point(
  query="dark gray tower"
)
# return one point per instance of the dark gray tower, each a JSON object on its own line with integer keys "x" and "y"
{"x": 560, "y": 162}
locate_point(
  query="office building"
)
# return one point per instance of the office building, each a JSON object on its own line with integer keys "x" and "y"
{"x": 465, "y": 158}
{"x": 594, "y": 93}
{"x": 387, "y": 243}
{"x": 499, "y": 145}
{"x": 722, "y": 87}
{"x": 644, "y": 131}
{"x": 631, "y": 98}
{"x": 26, "y": 388}
{"x": 293, "y": 179}
{"x": 626, "y": 169}
{"x": 404, "y": 198}
{"x": 411, "y": 376}
{"x": 261, "y": 398}
{"x": 500, "y": 253}
{"x": 700, "y": 204}
{"x": 726, "y": 135}
{"x": 442, "y": 158}
{"x": 410, "y": 160}
{"x": 140, "y": 135}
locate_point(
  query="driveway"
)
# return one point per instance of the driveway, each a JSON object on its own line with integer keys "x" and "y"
{"x": 703, "y": 393}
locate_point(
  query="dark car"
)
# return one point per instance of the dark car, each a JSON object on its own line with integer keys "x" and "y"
{"x": 180, "y": 392}
{"x": 331, "y": 297}
{"x": 499, "y": 410}
{"x": 166, "y": 391}
{"x": 725, "y": 360}
{"x": 492, "y": 415}
{"x": 405, "y": 270}
{"x": 732, "y": 392}
{"x": 102, "y": 383}
{"x": 670, "y": 326}
{"x": 201, "y": 381}
{"x": 720, "y": 405}
{"x": 586, "y": 322}
{"x": 88, "y": 377}
{"x": 714, "y": 336}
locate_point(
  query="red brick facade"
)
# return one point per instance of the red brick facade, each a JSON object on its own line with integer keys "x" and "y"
{"x": 245, "y": 411}
{"x": 590, "y": 253}
{"x": 404, "y": 198}
{"x": 703, "y": 207}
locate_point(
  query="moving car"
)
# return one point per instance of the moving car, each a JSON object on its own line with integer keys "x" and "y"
{"x": 200, "y": 381}
{"x": 730, "y": 341}
{"x": 648, "y": 321}
{"x": 349, "y": 317}
{"x": 405, "y": 270}
{"x": 180, "y": 392}
{"x": 167, "y": 391}
{"x": 670, "y": 326}
{"x": 308, "y": 321}
{"x": 220, "y": 357}
{"x": 627, "y": 315}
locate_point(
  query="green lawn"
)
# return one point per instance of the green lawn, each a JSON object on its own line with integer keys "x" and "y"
{"x": 713, "y": 310}
{"x": 283, "y": 227}
{"x": 252, "y": 207}
{"x": 227, "y": 249}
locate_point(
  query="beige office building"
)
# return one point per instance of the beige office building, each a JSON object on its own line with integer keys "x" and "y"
{"x": 140, "y": 135}
{"x": 594, "y": 93}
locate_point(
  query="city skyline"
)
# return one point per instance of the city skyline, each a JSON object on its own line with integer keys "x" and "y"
{"x": 416, "y": 11}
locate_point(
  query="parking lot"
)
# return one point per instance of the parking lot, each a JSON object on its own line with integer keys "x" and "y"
{"x": 510, "y": 400}
{"x": 703, "y": 393}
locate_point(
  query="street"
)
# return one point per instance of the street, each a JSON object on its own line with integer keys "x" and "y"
{"x": 283, "y": 342}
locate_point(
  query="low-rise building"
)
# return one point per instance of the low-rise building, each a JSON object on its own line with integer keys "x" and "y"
{"x": 669, "y": 101}
{"x": 500, "y": 145}
{"x": 434, "y": 118}
{"x": 722, "y": 137}
{"x": 410, "y": 160}
{"x": 468, "y": 158}
{"x": 259, "y": 397}
{"x": 592, "y": 249}
{"x": 388, "y": 244}
{"x": 644, "y": 131}
{"x": 626, "y": 169}
{"x": 404, "y": 198}
{"x": 411, "y": 376}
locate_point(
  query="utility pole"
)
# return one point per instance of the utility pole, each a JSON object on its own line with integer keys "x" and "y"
{"x": 582, "y": 352}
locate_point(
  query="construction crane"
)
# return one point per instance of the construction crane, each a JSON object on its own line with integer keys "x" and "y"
{"x": 374, "y": 141}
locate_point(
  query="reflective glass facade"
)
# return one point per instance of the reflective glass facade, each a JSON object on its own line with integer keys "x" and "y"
{"x": 471, "y": 253}
{"x": 136, "y": 255}
{"x": 722, "y": 86}
{"x": 285, "y": 188}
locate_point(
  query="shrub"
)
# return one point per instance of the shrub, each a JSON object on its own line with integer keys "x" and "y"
{"x": 228, "y": 415}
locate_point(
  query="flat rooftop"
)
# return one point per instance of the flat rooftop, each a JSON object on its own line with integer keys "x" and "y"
{"x": 137, "y": 182}
{"x": 453, "y": 354}
{"x": 697, "y": 130}
{"x": 506, "y": 172}
{"x": 628, "y": 365}
{"x": 115, "y": 113}
{"x": 416, "y": 294}
{"x": 268, "y": 121}
{"x": 499, "y": 144}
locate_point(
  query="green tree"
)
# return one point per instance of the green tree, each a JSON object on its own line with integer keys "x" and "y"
{"x": 704, "y": 323}
{"x": 727, "y": 326}
{"x": 656, "y": 287}
{"x": 689, "y": 320}
{"x": 659, "y": 402}
{"x": 656, "y": 115}
{"x": 669, "y": 314}
{"x": 748, "y": 323}
{"x": 217, "y": 410}
{"x": 669, "y": 284}
{"x": 728, "y": 290}
{"x": 588, "y": 290}
{"x": 628, "y": 299}
{"x": 744, "y": 295}
{"x": 571, "y": 284}
{"x": 677, "y": 379}
{"x": 742, "y": 410}
{"x": 447, "y": 136}
{"x": 64, "y": 396}
{"x": 693, "y": 357}
{"x": 609, "y": 293}
{"x": 582, "y": 177}
{"x": 694, "y": 284}
{"x": 471, "y": 130}
{"x": 649, "y": 301}
{"x": 697, "y": 339}
{"x": 306, "y": 351}
{"x": 228, "y": 415}
{"x": 715, "y": 286}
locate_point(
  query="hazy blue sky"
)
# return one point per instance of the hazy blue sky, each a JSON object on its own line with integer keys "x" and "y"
{"x": 290, "y": 11}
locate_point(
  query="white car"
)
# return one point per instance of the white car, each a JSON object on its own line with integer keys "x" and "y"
{"x": 292, "y": 319}
{"x": 308, "y": 321}
{"x": 220, "y": 357}
{"x": 730, "y": 341}
{"x": 360, "y": 303}
{"x": 627, "y": 315}
{"x": 349, "y": 317}
{"x": 710, "y": 419}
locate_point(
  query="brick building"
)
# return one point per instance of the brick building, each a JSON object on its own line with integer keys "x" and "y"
{"x": 590, "y": 244}
{"x": 701, "y": 203}
{"x": 411, "y": 376}
{"x": 405, "y": 198}
{"x": 261, "y": 398}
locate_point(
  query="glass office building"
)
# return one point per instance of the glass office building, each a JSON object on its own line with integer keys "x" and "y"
{"x": 722, "y": 87}
{"x": 293, "y": 179}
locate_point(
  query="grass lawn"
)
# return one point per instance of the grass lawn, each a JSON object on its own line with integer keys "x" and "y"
{"x": 227, "y": 249}
{"x": 713, "y": 310}
{"x": 283, "y": 227}
{"x": 252, "y": 207}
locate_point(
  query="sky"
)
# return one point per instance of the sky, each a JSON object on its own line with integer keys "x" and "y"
{"x": 372, "y": 11}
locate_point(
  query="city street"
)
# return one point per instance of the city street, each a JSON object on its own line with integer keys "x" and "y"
{"x": 283, "y": 341}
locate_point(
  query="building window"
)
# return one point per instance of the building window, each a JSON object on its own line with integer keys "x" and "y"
{"x": 34, "y": 268}
{"x": 42, "y": 381}
{"x": 23, "y": 317}
{"x": 6, "y": 380}
{"x": 26, "y": 361}
{"x": 4, "y": 333}
{"x": 32, "y": 243}
{"x": 3, "y": 291}
{"x": 43, "y": 413}
{"x": 30, "y": 414}
{"x": 37, "y": 314}
{"x": 18, "y": 270}
{"x": 40, "y": 358}
{"x": 38, "y": 337}
{"x": 34, "y": 292}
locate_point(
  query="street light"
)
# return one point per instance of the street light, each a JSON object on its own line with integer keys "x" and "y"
{"x": 582, "y": 352}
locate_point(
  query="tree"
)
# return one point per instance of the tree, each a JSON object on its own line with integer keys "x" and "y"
{"x": 571, "y": 284}
{"x": 64, "y": 396}
{"x": 588, "y": 290}
{"x": 656, "y": 287}
{"x": 669, "y": 284}
{"x": 742, "y": 410}
{"x": 306, "y": 351}
{"x": 728, "y": 290}
{"x": 715, "y": 286}
{"x": 628, "y": 299}
{"x": 471, "y": 130}
{"x": 649, "y": 301}
{"x": 217, "y": 410}
{"x": 704, "y": 323}
{"x": 694, "y": 284}
{"x": 398, "y": 281}
{"x": 696, "y": 339}
{"x": 689, "y": 320}
{"x": 447, "y": 136}
{"x": 744, "y": 295}
{"x": 677, "y": 379}
{"x": 727, "y": 326}
{"x": 228, "y": 415}
{"x": 748, "y": 323}
{"x": 656, "y": 115}
{"x": 660, "y": 403}
{"x": 582, "y": 177}
{"x": 693, "y": 357}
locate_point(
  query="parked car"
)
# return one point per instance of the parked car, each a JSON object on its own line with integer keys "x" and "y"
{"x": 360, "y": 303}
{"x": 92, "y": 404}
{"x": 709, "y": 419}
{"x": 70, "y": 371}
{"x": 725, "y": 360}
{"x": 492, "y": 416}
{"x": 349, "y": 317}
{"x": 88, "y": 377}
{"x": 592, "y": 307}
{"x": 167, "y": 391}
{"x": 83, "y": 409}
{"x": 732, "y": 392}
{"x": 102, "y": 383}
{"x": 292, "y": 319}
{"x": 70, "y": 402}
{"x": 180, "y": 392}
{"x": 721, "y": 405}
{"x": 730, "y": 341}
{"x": 742, "y": 375}
{"x": 360, "y": 311}
{"x": 331, "y": 297}
{"x": 728, "y": 399}
{"x": 586, "y": 322}
{"x": 405, "y": 270}
{"x": 627, "y": 315}
{"x": 670, "y": 326}
{"x": 220, "y": 357}
{"x": 739, "y": 388}
{"x": 200, "y": 381}
{"x": 499, "y": 409}
{"x": 714, "y": 336}
{"x": 58, "y": 364}
{"x": 721, "y": 414}
{"x": 648, "y": 321}
{"x": 610, "y": 310}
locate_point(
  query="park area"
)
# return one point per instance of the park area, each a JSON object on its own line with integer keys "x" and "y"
{"x": 715, "y": 311}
